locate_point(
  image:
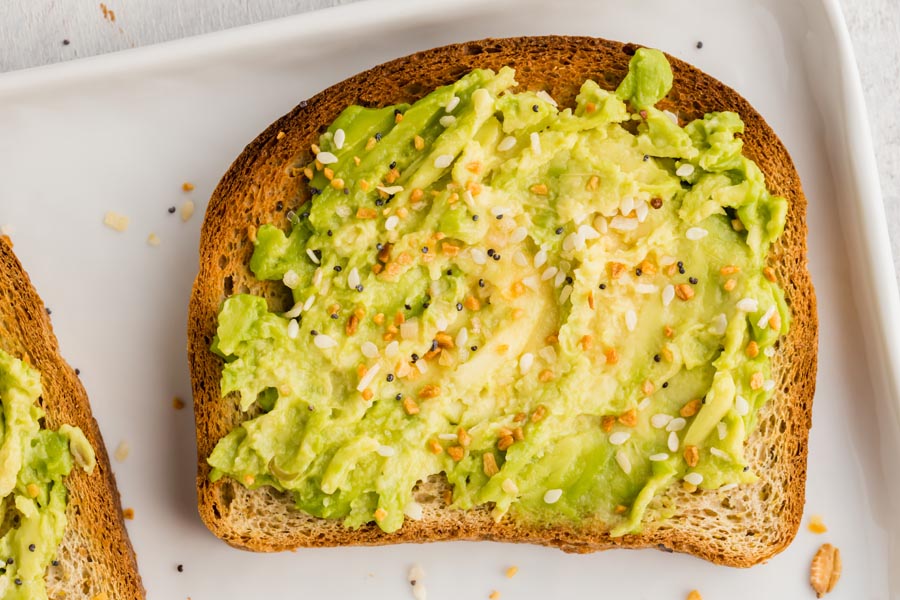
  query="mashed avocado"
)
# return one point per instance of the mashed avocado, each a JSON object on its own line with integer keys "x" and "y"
{"x": 33, "y": 462}
{"x": 564, "y": 311}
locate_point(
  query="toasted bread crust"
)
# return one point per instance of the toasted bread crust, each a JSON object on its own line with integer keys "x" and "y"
{"x": 751, "y": 524}
{"x": 95, "y": 555}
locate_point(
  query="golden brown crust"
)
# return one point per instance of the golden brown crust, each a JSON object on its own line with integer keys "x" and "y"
{"x": 746, "y": 527}
{"x": 95, "y": 555}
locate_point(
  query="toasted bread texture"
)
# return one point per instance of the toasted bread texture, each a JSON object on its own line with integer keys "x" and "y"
{"x": 95, "y": 558}
{"x": 740, "y": 527}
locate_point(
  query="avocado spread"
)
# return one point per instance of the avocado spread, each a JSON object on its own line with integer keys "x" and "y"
{"x": 564, "y": 311}
{"x": 33, "y": 463}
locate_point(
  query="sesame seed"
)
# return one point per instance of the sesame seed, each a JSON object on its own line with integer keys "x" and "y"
{"x": 447, "y": 120}
{"x": 676, "y": 424}
{"x": 385, "y": 451}
{"x": 353, "y": 279}
{"x": 326, "y": 158}
{"x": 324, "y": 341}
{"x": 668, "y": 294}
{"x": 741, "y": 406}
{"x": 312, "y": 255}
{"x": 619, "y": 437}
{"x": 748, "y": 305}
{"x": 506, "y": 144}
{"x": 443, "y": 161}
{"x": 624, "y": 462}
{"x": 685, "y": 170}
{"x": 719, "y": 453}
{"x": 659, "y": 457}
{"x": 694, "y": 234}
{"x": 293, "y": 329}
{"x": 453, "y": 103}
{"x": 535, "y": 143}
{"x": 630, "y": 320}
{"x": 660, "y": 420}
{"x": 694, "y": 478}
{"x": 552, "y": 496}
{"x": 339, "y": 137}
{"x": 673, "y": 442}
{"x": 763, "y": 322}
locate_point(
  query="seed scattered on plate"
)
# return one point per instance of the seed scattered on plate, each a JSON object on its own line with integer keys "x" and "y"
{"x": 115, "y": 221}
{"x": 122, "y": 451}
{"x": 187, "y": 210}
{"x": 153, "y": 240}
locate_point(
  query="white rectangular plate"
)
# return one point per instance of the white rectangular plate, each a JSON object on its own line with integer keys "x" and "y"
{"x": 123, "y": 132}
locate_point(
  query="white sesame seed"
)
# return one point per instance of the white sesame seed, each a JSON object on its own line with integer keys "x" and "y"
{"x": 478, "y": 256}
{"x": 509, "y": 486}
{"x": 317, "y": 277}
{"x": 309, "y": 302}
{"x": 624, "y": 462}
{"x": 389, "y": 190}
{"x": 587, "y": 232}
{"x": 506, "y": 144}
{"x": 644, "y": 404}
{"x": 676, "y": 424}
{"x": 668, "y": 294}
{"x": 685, "y": 170}
{"x": 694, "y": 478}
{"x": 764, "y": 320}
{"x": 441, "y": 323}
{"x": 641, "y": 211}
{"x": 366, "y": 379}
{"x": 342, "y": 211}
{"x": 620, "y": 223}
{"x": 447, "y": 120}
{"x": 413, "y": 510}
{"x": 548, "y": 354}
{"x": 392, "y": 349}
{"x": 294, "y": 312}
{"x": 630, "y": 320}
{"x": 390, "y": 224}
{"x": 747, "y": 305}
{"x": 462, "y": 337}
{"x": 565, "y": 293}
{"x": 626, "y": 205}
{"x": 546, "y": 97}
{"x": 619, "y": 437}
{"x": 540, "y": 258}
{"x": 665, "y": 261}
{"x": 660, "y": 420}
{"x": 525, "y": 362}
{"x": 339, "y": 137}
{"x": 560, "y": 277}
{"x": 531, "y": 281}
{"x": 291, "y": 279}
{"x": 519, "y": 259}
{"x": 385, "y": 451}
{"x": 602, "y": 225}
{"x": 673, "y": 442}
{"x": 535, "y": 143}
{"x": 293, "y": 329}
{"x": 696, "y": 233}
{"x": 769, "y": 351}
{"x": 518, "y": 234}
{"x": 353, "y": 278}
{"x": 453, "y": 103}
{"x": 552, "y": 496}
{"x": 326, "y": 158}
{"x": 659, "y": 457}
{"x": 549, "y": 273}
{"x": 672, "y": 116}
{"x": 719, "y": 453}
{"x": 569, "y": 243}
{"x": 443, "y": 161}
{"x": 422, "y": 366}
{"x": 324, "y": 341}
{"x": 719, "y": 324}
{"x": 448, "y": 436}
{"x": 646, "y": 288}
{"x": 122, "y": 451}
{"x": 409, "y": 329}
{"x": 312, "y": 256}
{"x": 768, "y": 385}
{"x": 728, "y": 486}
{"x": 721, "y": 430}
{"x": 368, "y": 349}
{"x": 741, "y": 406}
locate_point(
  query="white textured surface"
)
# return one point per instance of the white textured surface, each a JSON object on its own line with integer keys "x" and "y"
{"x": 32, "y": 34}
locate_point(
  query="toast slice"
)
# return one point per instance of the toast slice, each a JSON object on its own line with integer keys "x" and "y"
{"x": 95, "y": 558}
{"x": 739, "y": 528}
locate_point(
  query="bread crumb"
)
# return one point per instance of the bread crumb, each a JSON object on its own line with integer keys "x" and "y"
{"x": 280, "y": 135}
{"x": 511, "y": 572}
{"x": 128, "y": 514}
{"x": 187, "y": 186}
{"x": 177, "y": 403}
{"x": 122, "y": 451}
{"x": 187, "y": 210}
{"x": 153, "y": 239}
{"x": 817, "y": 525}
{"x": 694, "y": 595}
{"x": 115, "y": 221}
{"x": 495, "y": 595}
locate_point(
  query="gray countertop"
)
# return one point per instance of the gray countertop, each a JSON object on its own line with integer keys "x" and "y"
{"x": 40, "y": 32}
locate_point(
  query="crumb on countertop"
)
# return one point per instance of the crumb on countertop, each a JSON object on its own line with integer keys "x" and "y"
{"x": 511, "y": 572}
{"x": 816, "y": 524}
{"x": 177, "y": 403}
{"x": 128, "y": 514}
{"x": 495, "y": 595}
{"x": 153, "y": 240}
{"x": 187, "y": 186}
{"x": 187, "y": 210}
{"x": 115, "y": 221}
{"x": 694, "y": 595}
{"x": 280, "y": 135}
{"x": 122, "y": 451}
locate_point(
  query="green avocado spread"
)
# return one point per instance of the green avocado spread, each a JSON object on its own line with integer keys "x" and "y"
{"x": 33, "y": 462}
{"x": 564, "y": 311}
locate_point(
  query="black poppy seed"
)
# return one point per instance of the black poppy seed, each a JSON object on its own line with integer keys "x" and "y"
{"x": 646, "y": 158}
{"x": 18, "y": 581}
{"x": 2, "y": 570}
{"x": 318, "y": 254}
{"x": 414, "y": 357}
{"x": 359, "y": 288}
{"x": 559, "y": 230}
{"x": 434, "y": 345}
{"x": 569, "y": 280}
{"x": 330, "y": 233}
{"x": 314, "y": 190}
{"x": 397, "y": 111}
{"x": 10, "y": 561}
{"x": 693, "y": 280}
{"x": 424, "y": 249}
{"x": 279, "y": 206}
{"x": 78, "y": 371}
{"x": 602, "y": 286}
{"x": 474, "y": 217}
{"x": 379, "y": 246}
{"x": 459, "y": 306}
{"x": 681, "y": 270}
{"x": 303, "y": 103}
{"x": 399, "y": 396}
{"x": 338, "y": 268}
{"x": 534, "y": 107}
{"x": 66, "y": 42}
{"x": 388, "y": 201}
{"x": 680, "y": 264}
{"x": 346, "y": 191}
{"x": 378, "y": 137}
{"x": 32, "y": 547}
{"x": 638, "y": 271}
{"x": 665, "y": 384}
{"x": 304, "y": 215}
{"x": 55, "y": 563}
{"x": 334, "y": 315}
{"x": 426, "y": 304}
{"x": 490, "y": 252}
{"x": 746, "y": 469}
{"x": 180, "y": 568}
{"x": 379, "y": 202}
{"x": 699, "y": 45}
{"x": 393, "y": 165}
{"x": 407, "y": 307}
{"x": 481, "y": 283}
{"x": 313, "y": 332}
{"x": 473, "y": 348}
{"x": 497, "y": 256}
{"x": 499, "y": 217}
{"x": 390, "y": 377}
{"x": 449, "y": 271}
{"x": 657, "y": 358}
{"x": 49, "y": 312}
{"x": 171, "y": 210}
